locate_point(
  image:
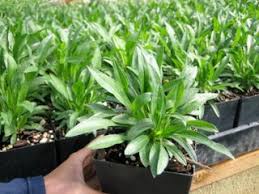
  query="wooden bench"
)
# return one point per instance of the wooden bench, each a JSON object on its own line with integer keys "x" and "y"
{"x": 239, "y": 176}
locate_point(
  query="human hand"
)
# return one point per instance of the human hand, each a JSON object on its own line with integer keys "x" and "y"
{"x": 75, "y": 176}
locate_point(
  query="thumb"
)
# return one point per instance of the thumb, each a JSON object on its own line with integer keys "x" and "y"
{"x": 84, "y": 156}
{"x": 89, "y": 190}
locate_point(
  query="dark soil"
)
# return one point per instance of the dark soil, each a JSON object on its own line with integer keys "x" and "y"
{"x": 227, "y": 96}
{"x": 235, "y": 94}
{"x": 29, "y": 138}
{"x": 116, "y": 154}
{"x": 252, "y": 92}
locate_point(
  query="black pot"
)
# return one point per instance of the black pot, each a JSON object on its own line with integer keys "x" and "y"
{"x": 27, "y": 161}
{"x": 227, "y": 110}
{"x": 66, "y": 146}
{"x": 249, "y": 110}
{"x": 238, "y": 140}
{"x": 122, "y": 179}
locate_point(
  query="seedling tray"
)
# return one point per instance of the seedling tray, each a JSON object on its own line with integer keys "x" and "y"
{"x": 66, "y": 146}
{"x": 238, "y": 140}
{"x": 227, "y": 110}
{"x": 27, "y": 161}
{"x": 122, "y": 179}
{"x": 249, "y": 110}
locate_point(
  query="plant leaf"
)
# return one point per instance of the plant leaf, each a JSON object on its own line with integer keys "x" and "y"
{"x": 187, "y": 147}
{"x": 174, "y": 151}
{"x": 199, "y": 138}
{"x": 136, "y": 145}
{"x": 60, "y": 86}
{"x": 139, "y": 127}
{"x": 144, "y": 154}
{"x": 90, "y": 125}
{"x": 110, "y": 85}
{"x": 106, "y": 141}
{"x": 124, "y": 119}
{"x": 204, "y": 125}
{"x": 158, "y": 158}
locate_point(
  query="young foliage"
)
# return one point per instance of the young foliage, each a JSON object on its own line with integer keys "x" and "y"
{"x": 18, "y": 111}
{"x": 73, "y": 88}
{"x": 157, "y": 119}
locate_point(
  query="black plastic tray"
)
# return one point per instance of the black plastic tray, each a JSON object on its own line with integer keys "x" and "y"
{"x": 248, "y": 110}
{"x": 227, "y": 110}
{"x": 27, "y": 161}
{"x": 238, "y": 140}
{"x": 67, "y": 146}
{"x": 121, "y": 179}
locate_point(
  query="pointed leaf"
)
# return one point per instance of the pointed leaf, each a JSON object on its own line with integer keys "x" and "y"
{"x": 60, "y": 86}
{"x": 110, "y": 85}
{"x": 136, "y": 145}
{"x": 90, "y": 125}
{"x": 174, "y": 151}
{"x": 144, "y": 155}
{"x": 139, "y": 127}
{"x": 204, "y": 125}
{"x": 187, "y": 147}
{"x": 199, "y": 138}
{"x": 106, "y": 141}
{"x": 158, "y": 159}
{"x": 124, "y": 119}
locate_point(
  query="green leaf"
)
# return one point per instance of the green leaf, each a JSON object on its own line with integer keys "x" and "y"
{"x": 190, "y": 73}
{"x": 136, "y": 145}
{"x": 176, "y": 93}
{"x": 187, "y": 147}
{"x": 29, "y": 106}
{"x": 205, "y": 97}
{"x": 249, "y": 43}
{"x": 139, "y": 128}
{"x": 124, "y": 119}
{"x": 174, "y": 151}
{"x": 138, "y": 66}
{"x": 215, "y": 109}
{"x": 204, "y": 125}
{"x": 199, "y": 138}
{"x": 60, "y": 86}
{"x": 104, "y": 110}
{"x": 45, "y": 48}
{"x": 97, "y": 58}
{"x": 110, "y": 85}
{"x": 171, "y": 33}
{"x": 158, "y": 158}
{"x": 9, "y": 61}
{"x": 13, "y": 139}
{"x": 154, "y": 71}
{"x": 144, "y": 154}
{"x": 106, "y": 141}
{"x": 140, "y": 101}
{"x": 90, "y": 125}
{"x": 158, "y": 105}
{"x": 73, "y": 119}
{"x": 121, "y": 78}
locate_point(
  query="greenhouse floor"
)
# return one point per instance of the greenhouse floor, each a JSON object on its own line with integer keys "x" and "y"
{"x": 240, "y": 176}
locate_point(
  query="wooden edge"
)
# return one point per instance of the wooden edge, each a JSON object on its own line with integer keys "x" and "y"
{"x": 225, "y": 169}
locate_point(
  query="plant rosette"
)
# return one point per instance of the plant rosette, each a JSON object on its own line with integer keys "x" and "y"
{"x": 157, "y": 124}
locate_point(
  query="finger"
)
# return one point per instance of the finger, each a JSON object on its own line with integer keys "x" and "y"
{"x": 84, "y": 155}
{"x": 89, "y": 172}
{"x": 89, "y": 190}
{"x": 94, "y": 183}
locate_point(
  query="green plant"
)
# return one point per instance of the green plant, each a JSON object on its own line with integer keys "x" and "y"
{"x": 245, "y": 65}
{"x": 22, "y": 55}
{"x": 73, "y": 88}
{"x": 55, "y": 45}
{"x": 157, "y": 120}
{"x": 18, "y": 111}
